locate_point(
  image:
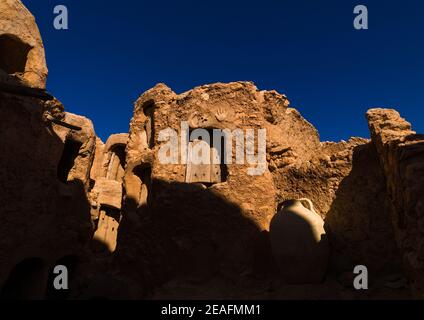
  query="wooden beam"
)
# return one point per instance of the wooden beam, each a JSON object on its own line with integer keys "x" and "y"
{"x": 25, "y": 91}
{"x": 63, "y": 124}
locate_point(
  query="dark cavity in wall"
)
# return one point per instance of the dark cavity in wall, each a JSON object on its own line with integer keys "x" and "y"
{"x": 25, "y": 281}
{"x": 144, "y": 173}
{"x": 13, "y": 54}
{"x": 148, "y": 110}
{"x": 70, "y": 153}
{"x": 117, "y": 163}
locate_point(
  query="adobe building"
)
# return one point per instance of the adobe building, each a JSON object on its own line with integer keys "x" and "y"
{"x": 129, "y": 225}
{"x": 46, "y": 159}
{"x": 199, "y": 222}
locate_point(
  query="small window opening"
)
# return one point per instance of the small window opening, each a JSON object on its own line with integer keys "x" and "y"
{"x": 91, "y": 184}
{"x": 149, "y": 112}
{"x": 25, "y": 282}
{"x": 117, "y": 163}
{"x": 144, "y": 173}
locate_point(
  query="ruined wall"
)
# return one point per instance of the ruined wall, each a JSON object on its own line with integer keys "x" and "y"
{"x": 357, "y": 222}
{"x": 192, "y": 229}
{"x": 46, "y": 158}
{"x": 135, "y": 222}
{"x": 198, "y": 230}
{"x": 401, "y": 153}
{"x": 22, "y": 58}
{"x": 346, "y": 185}
{"x": 107, "y": 175}
{"x": 42, "y": 215}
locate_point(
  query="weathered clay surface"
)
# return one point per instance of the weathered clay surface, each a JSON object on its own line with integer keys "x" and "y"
{"x": 106, "y": 179}
{"x": 183, "y": 231}
{"x": 43, "y": 218}
{"x": 183, "y": 222}
{"x": 357, "y": 221}
{"x": 131, "y": 226}
{"x": 21, "y": 50}
{"x": 401, "y": 155}
{"x": 97, "y": 167}
{"x": 108, "y": 192}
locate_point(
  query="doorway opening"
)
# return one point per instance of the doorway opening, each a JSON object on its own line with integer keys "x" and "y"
{"x": 149, "y": 112}
{"x": 213, "y": 171}
{"x": 67, "y": 161}
{"x": 144, "y": 174}
{"x": 117, "y": 163}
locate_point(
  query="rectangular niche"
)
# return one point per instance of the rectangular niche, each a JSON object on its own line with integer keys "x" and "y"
{"x": 208, "y": 173}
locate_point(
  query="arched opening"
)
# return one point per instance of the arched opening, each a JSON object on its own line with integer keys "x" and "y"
{"x": 25, "y": 281}
{"x": 71, "y": 263}
{"x": 67, "y": 161}
{"x": 213, "y": 171}
{"x": 149, "y": 112}
{"x": 144, "y": 174}
{"x": 117, "y": 163}
{"x": 13, "y": 54}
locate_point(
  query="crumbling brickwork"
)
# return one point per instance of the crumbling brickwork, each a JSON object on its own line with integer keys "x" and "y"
{"x": 130, "y": 225}
{"x": 401, "y": 154}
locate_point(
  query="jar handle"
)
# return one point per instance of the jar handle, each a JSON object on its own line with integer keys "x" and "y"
{"x": 309, "y": 202}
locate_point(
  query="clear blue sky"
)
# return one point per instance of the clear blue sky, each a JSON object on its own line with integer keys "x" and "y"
{"x": 308, "y": 50}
